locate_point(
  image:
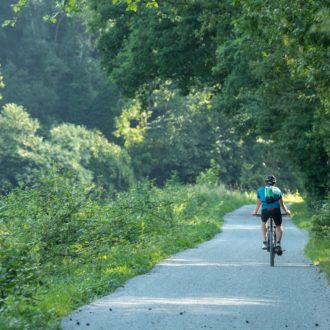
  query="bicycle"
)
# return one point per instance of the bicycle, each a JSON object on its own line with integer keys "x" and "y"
{"x": 271, "y": 239}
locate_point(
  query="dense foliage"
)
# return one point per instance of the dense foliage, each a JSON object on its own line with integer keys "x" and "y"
{"x": 36, "y": 229}
{"x": 61, "y": 246}
{"x": 268, "y": 60}
{"x": 182, "y": 71}
{"x": 53, "y": 70}
{"x": 171, "y": 133}
{"x": 200, "y": 91}
{"x": 318, "y": 247}
{"x": 290, "y": 49}
{"x": 88, "y": 155}
{"x": 321, "y": 222}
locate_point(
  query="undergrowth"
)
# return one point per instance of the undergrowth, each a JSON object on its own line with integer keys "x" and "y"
{"x": 62, "y": 246}
{"x": 317, "y": 222}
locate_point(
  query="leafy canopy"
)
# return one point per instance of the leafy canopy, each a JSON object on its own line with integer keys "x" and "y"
{"x": 71, "y": 6}
{"x": 88, "y": 155}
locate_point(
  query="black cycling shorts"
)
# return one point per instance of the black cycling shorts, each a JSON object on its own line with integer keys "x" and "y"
{"x": 275, "y": 213}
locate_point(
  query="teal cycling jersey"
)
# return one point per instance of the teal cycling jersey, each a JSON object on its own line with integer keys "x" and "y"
{"x": 276, "y": 196}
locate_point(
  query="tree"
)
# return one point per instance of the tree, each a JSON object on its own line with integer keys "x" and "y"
{"x": 68, "y": 7}
{"x": 172, "y": 134}
{"x": 90, "y": 156}
{"x": 175, "y": 41}
{"x": 290, "y": 62}
{"x": 17, "y": 141}
{"x": 183, "y": 135}
{"x": 87, "y": 155}
{"x": 268, "y": 61}
{"x": 265, "y": 62}
{"x": 54, "y": 70}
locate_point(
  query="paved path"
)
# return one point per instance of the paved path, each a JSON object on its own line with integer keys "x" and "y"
{"x": 225, "y": 283}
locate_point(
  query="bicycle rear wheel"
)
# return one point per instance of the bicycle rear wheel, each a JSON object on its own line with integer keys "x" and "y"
{"x": 271, "y": 245}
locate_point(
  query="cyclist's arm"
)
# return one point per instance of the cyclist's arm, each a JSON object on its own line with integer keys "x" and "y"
{"x": 257, "y": 207}
{"x": 284, "y": 208}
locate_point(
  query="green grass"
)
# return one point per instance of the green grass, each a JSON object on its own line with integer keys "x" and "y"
{"x": 317, "y": 249}
{"x": 301, "y": 215}
{"x": 198, "y": 212}
{"x": 88, "y": 282}
{"x": 196, "y": 215}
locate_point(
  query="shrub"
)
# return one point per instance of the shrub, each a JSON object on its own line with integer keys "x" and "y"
{"x": 321, "y": 220}
{"x": 61, "y": 245}
{"x": 38, "y": 225}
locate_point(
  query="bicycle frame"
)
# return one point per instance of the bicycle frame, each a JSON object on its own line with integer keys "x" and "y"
{"x": 271, "y": 240}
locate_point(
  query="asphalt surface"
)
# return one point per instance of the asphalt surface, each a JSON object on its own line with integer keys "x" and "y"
{"x": 225, "y": 283}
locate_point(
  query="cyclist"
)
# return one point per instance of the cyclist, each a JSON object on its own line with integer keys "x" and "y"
{"x": 271, "y": 201}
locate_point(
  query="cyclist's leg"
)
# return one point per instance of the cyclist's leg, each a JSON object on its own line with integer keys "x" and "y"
{"x": 278, "y": 222}
{"x": 263, "y": 221}
{"x": 279, "y": 233}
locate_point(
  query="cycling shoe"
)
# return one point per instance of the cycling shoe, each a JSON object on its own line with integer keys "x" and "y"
{"x": 278, "y": 250}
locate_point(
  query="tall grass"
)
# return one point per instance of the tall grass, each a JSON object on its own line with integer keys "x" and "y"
{"x": 318, "y": 246}
{"x": 61, "y": 247}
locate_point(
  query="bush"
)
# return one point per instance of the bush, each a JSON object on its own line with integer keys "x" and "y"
{"x": 61, "y": 245}
{"x": 209, "y": 177}
{"x": 318, "y": 247}
{"x": 321, "y": 220}
{"x": 38, "y": 226}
